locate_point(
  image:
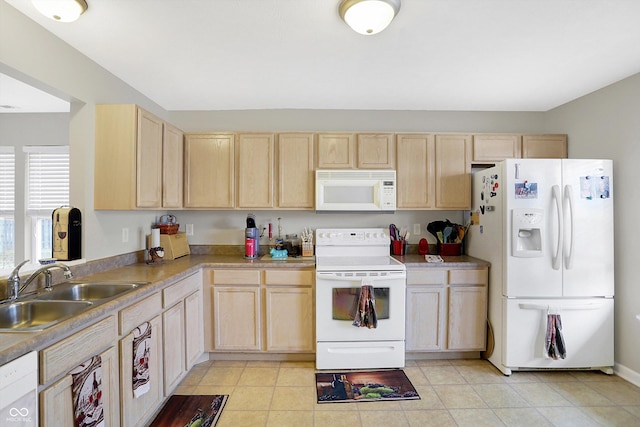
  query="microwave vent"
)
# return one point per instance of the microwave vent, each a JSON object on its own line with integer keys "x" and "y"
{"x": 356, "y": 174}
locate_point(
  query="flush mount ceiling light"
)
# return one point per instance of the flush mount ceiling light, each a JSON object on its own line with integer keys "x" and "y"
{"x": 368, "y": 16}
{"x": 61, "y": 10}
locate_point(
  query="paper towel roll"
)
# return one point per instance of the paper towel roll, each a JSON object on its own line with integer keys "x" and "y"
{"x": 155, "y": 237}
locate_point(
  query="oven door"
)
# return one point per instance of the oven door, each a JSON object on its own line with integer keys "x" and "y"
{"x": 337, "y": 295}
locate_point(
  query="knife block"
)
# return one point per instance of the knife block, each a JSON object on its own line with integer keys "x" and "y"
{"x": 174, "y": 245}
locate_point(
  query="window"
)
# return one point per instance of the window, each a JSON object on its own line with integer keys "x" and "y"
{"x": 47, "y": 188}
{"x": 7, "y": 207}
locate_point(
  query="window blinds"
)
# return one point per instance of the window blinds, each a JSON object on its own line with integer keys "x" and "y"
{"x": 7, "y": 181}
{"x": 47, "y": 179}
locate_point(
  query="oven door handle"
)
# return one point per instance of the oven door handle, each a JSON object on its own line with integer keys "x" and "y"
{"x": 334, "y": 277}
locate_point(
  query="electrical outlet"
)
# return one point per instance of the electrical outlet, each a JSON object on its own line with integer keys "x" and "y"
{"x": 125, "y": 235}
{"x": 189, "y": 229}
{"x": 416, "y": 229}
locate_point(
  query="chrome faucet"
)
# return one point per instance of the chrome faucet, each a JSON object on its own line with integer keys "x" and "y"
{"x": 14, "y": 288}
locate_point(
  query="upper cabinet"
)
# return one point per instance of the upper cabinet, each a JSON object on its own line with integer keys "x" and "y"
{"x": 129, "y": 159}
{"x": 434, "y": 171}
{"x": 336, "y": 151}
{"x": 209, "y": 170}
{"x": 296, "y": 180}
{"x": 255, "y": 153}
{"x": 492, "y": 148}
{"x": 172, "y": 167}
{"x": 544, "y": 146}
{"x": 376, "y": 151}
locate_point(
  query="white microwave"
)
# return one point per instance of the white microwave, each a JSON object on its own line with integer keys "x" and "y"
{"x": 356, "y": 190}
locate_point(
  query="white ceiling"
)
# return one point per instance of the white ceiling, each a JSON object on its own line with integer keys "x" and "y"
{"x": 489, "y": 55}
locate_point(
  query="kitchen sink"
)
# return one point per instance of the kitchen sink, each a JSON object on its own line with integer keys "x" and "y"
{"x": 89, "y": 291}
{"x": 35, "y": 315}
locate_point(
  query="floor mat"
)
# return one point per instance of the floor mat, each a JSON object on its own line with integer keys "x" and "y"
{"x": 187, "y": 411}
{"x": 364, "y": 386}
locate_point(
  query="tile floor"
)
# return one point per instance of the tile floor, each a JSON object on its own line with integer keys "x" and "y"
{"x": 453, "y": 393}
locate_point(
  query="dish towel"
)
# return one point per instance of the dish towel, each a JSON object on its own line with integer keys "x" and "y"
{"x": 366, "y": 312}
{"x": 86, "y": 392}
{"x": 141, "y": 351}
{"x": 554, "y": 347}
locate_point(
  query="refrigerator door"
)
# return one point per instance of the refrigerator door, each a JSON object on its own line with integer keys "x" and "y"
{"x": 588, "y": 231}
{"x": 587, "y": 328}
{"x": 533, "y": 214}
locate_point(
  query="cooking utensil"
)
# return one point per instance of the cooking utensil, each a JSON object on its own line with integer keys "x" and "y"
{"x": 446, "y": 233}
{"x": 393, "y": 232}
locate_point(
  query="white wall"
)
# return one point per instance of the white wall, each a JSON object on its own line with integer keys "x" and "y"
{"x": 606, "y": 124}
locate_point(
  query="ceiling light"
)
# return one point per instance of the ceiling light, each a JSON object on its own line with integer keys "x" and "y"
{"x": 368, "y": 16}
{"x": 61, "y": 10}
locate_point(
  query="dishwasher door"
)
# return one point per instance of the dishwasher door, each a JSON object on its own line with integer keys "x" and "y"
{"x": 19, "y": 391}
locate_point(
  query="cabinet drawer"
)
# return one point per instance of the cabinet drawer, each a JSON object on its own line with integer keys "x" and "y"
{"x": 289, "y": 277}
{"x": 468, "y": 277}
{"x": 236, "y": 277}
{"x": 426, "y": 277}
{"x": 65, "y": 355}
{"x": 174, "y": 293}
{"x": 138, "y": 313}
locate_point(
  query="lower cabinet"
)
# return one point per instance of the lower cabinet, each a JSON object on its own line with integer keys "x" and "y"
{"x": 260, "y": 310}
{"x": 446, "y": 309}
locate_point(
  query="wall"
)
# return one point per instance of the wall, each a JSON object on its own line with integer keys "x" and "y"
{"x": 605, "y": 124}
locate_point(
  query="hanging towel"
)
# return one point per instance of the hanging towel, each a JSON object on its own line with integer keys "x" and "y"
{"x": 86, "y": 393}
{"x": 141, "y": 351}
{"x": 366, "y": 314}
{"x": 554, "y": 347}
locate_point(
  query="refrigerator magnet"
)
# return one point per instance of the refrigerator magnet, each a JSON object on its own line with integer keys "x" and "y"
{"x": 526, "y": 190}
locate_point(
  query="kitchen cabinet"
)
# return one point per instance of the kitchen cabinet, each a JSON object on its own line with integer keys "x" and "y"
{"x": 209, "y": 170}
{"x": 433, "y": 171}
{"x": 244, "y": 305}
{"x": 255, "y": 157}
{"x": 129, "y": 170}
{"x": 289, "y": 310}
{"x": 138, "y": 411}
{"x": 182, "y": 329}
{"x": 494, "y": 148}
{"x": 376, "y": 151}
{"x": 296, "y": 179}
{"x": 446, "y": 309}
{"x": 172, "y": 166}
{"x": 336, "y": 151}
{"x": 544, "y": 146}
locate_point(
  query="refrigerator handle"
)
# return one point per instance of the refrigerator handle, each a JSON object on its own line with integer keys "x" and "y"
{"x": 568, "y": 195}
{"x": 557, "y": 258}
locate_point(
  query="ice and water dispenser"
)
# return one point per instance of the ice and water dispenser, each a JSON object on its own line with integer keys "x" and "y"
{"x": 527, "y": 231}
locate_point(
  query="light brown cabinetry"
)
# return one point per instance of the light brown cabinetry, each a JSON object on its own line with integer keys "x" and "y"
{"x": 296, "y": 180}
{"x": 544, "y": 146}
{"x": 356, "y": 151}
{"x": 209, "y": 173}
{"x": 255, "y": 156}
{"x": 172, "y": 166}
{"x": 376, "y": 151}
{"x": 259, "y": 310}
{"x": 129, "y": 170}
{"x": 336, "y": 151}
{"x": 434, "y": 171}
{"x": 446, "y": 309}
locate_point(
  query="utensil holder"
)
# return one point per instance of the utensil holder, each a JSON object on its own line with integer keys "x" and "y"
{"x": 450, "y": 249}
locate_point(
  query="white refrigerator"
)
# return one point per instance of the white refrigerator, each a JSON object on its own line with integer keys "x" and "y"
{"x": 546, "y": 227}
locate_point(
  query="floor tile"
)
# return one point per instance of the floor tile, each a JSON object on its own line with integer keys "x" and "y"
{"x": 567, "y": 417}
{"x": 540, "y": 394}
{"x": 428, "y": 400}
{"x": 459, "y": 396}
{"x": 443, "y": 375}
{"x": 293, "y": 399}
{"x": 612, "y": 416}
{"x": 619, "y": 392}
{"x": 521, "y": 417}
{"x": 499, "y": 396}
{"x": 383, "y": 418}
{"x": 258, "y": 376}
{"x": 242, "y": 418}
{"x": 336, "y": 418}
{"x": 580, "y": 394}
{"x": 475, "y": 418}
{"x": 430, "y": 418}
{"x": 250, "y": 399}
{"x": 295, "y": 377}
{"x": 221, "y": 376}
{"x": 290, "y": 418}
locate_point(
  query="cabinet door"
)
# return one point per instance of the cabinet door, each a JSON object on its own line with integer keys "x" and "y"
{"x": 376, "y": 151}
{"x": 453, "y": 171}
{"x": 193, "y": 328}
{"x": 467, "y": 318}
{"x": 56, "y": 404}
{"x": 255, "y": 170}
{"x": 295, "y": 170}
{"x": 209, "y": 171}
{"x": 172, "y": 167}
{"x": 494, "y": 148}
{"x": 173, "y": 333}
{"x": 544, "y": 146}
{"x": 289, "y": 319}
{"x": 415, "y": 172}
{"x": 236, "y": 312}
{"x": 137, "y": 412}
{"x": 425, "y": 318}
{"x": 336, "y": 151}
{"x": 149, "y": 161}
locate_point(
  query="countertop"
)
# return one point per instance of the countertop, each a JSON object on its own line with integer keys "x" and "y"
{"x": 156, "y": 277}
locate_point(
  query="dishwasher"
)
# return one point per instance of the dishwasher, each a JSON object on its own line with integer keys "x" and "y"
{"x": 19, "y": 391}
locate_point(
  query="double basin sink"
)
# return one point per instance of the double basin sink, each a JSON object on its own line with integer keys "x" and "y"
{"x": 49, "y": 307}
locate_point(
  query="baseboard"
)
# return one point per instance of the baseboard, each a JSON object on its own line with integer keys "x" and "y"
{"x": 627, "y": 374}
